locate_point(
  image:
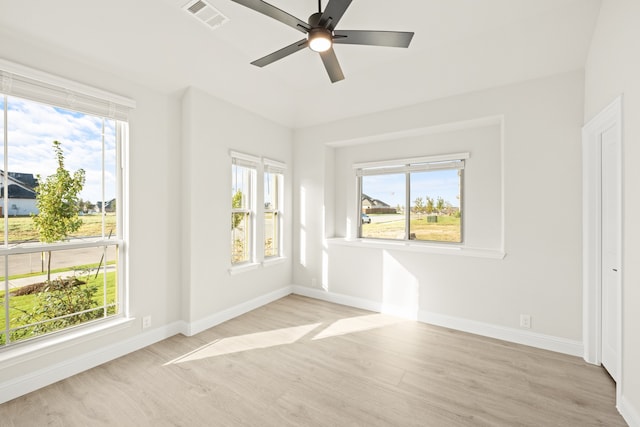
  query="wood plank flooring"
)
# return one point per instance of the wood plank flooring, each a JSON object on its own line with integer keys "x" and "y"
{"x": 302, "y": 362}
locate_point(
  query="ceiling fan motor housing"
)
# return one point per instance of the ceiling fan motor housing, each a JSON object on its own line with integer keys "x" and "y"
{"x": 314, "y": 20}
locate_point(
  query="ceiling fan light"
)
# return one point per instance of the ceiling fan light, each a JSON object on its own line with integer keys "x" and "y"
{"x": 320, "y": 40}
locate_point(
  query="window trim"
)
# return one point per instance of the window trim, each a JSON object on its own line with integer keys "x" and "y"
{"x": 277, "y": 168}
{"x": 407, "y": 166}
{"x": 250, "y": 162}
{"x": 23, "y": 82}
{"x": 259, "y": 260}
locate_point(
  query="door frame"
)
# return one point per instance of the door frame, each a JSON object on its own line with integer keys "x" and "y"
{"x": 609, "y": 117}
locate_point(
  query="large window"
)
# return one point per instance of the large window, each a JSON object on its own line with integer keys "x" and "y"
{"x": 257, "y": 202}
{"x": 61, "y": 204}
{"x": 412, "y": 199}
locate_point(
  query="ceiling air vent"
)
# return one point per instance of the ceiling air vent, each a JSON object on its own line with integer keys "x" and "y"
{"x": 207, "y": 14}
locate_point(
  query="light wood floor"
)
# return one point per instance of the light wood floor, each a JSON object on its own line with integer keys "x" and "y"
{"x": 302, "y": 362}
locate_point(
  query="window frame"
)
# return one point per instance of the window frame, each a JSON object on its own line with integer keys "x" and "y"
{"x": 251, "y": 163}
{"x": 17, "y": 81}
{"x": 259, "y": 258}
{"x": 407, "y": 166}
{"x": 278, "y": 169}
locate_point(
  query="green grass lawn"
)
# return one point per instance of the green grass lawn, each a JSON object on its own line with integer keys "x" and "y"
{"x": 21, "y": 228}
{"x": 447, "y": 229}
{"x": 26, "y": 303}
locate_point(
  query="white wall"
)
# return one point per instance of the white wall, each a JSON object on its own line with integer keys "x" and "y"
{"x": 211, "y": 129}
{"x": 541, "y": 273}
{"x": 613, "y": 68}
{"x": 23, "y": 207}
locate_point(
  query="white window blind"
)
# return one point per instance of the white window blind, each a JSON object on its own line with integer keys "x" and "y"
{"x": 24, "y": 82}
{"x": 420, "y": 164}
{"x": 273, "y": 166}
{"x": 242, "y": 159}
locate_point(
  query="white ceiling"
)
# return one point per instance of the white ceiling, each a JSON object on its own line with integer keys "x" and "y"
{"x": 459, "y": 46}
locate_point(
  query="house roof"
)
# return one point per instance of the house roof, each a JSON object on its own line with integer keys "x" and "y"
{"x": 18, "y": 188}
{"x": 374, "y": 202}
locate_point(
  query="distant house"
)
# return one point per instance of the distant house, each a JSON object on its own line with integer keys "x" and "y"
{"x": 371, "y": 205}
{"x": 21, "y": 194}
{"x": 109, "y": 206}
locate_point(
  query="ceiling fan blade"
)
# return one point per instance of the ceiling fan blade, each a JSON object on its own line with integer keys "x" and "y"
{"x": 333, "y": 13}
{"x": 275, "y": 13}
{"x": 279, "y": 54}
{"x": 373, "y": 38}
{"x": 330, "y": 61}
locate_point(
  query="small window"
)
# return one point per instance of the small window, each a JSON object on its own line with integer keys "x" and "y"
{"x": 413, "y": 199}
{"x": 243, "y": 182}
{"x": 273, "y": 192}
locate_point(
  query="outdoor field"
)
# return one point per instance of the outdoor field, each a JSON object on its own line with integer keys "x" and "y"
{"x": 21, "y": 228}
{"x": 392, "y": 226}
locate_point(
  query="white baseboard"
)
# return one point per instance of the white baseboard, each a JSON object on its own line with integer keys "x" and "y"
{"x": 235, "y": 311}
{"x": 630, "y": 414}
{"x": 335, "y": 298}
{"x": 519, "y": 336}
{"x": 43, "y": 377}
{"x": 547, "y": 342}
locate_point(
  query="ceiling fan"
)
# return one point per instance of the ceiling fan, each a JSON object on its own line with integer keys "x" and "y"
{"x": 322, "y": 34}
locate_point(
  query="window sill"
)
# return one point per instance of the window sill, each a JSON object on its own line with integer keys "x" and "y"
{"x": 418, "y": 247}
{"x": 238, "y": 269}
{"x": 273, "y": 261}
{"x": 241, "y": 268}
{"x": 39, "y": 347}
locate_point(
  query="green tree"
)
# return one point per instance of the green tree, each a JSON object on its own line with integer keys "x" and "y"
{"x": 440, "y": 204}
{"x": 418, "y": 205}
{"x": 236, "y": 203}
{"x": 57, "y": 202}
{"x": 430, "y": 205}
{"x": 67, "y": 301}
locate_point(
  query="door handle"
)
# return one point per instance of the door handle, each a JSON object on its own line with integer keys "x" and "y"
{"x": 615, "y": 269}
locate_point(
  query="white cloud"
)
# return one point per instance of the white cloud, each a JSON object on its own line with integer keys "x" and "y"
{"x": 33, "y": 127}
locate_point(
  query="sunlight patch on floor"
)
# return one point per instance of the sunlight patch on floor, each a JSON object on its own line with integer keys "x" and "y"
{"x": 285, "y": 336}
{"x": 357, "y": 324}
{"x": 246, "y": 342}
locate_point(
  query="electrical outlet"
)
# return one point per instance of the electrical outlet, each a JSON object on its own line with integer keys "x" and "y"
{"x": 146, "y": 322}
{"x": 525, "y": 321}
{"x": 314, "y": 282}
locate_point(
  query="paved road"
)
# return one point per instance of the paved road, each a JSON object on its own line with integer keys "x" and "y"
{"x": 37, "y": 262}
{"x": 375, "y": 219}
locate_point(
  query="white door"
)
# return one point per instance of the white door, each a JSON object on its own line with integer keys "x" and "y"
{"x": 610, "y": 244}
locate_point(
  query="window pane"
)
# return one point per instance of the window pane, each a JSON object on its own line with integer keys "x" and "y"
{"x": 82, "y": 288}
{"x": 383, "y": 201}
{"x": 2, "y": 171}
{"x": 271, "y": 233}
{"x": 242, "y": 181}
{"x": 272, "y": 194}
{"x": 32, "y": 128}
{"x": 271, "y": 190}
{"x": 435, "y": 206}
{"x": 240, "y": 233}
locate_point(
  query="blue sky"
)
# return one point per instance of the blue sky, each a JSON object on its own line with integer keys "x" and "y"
{"x": 32, "y": 128}
{"x": 391, "y": 188}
